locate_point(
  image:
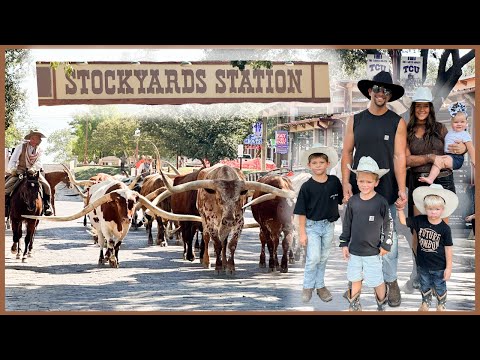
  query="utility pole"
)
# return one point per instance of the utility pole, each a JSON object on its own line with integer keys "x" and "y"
{"x": 85, "y": 161}
{"x": 264, "y": 143}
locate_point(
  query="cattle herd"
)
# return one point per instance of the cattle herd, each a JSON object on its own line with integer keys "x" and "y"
{"x": 210, "y": 201}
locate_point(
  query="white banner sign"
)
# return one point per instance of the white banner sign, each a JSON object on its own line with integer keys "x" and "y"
{"x": 411, "y": 73}
{"x": 377, "y": 63}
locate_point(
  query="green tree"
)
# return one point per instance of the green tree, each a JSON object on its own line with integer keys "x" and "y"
{"x": 85, "y": 124}
{"x": 16, "y": 65}
{"x": 113, "y": 136}
{"x": 203, "y": 132}
{"x": 60, "y": 144}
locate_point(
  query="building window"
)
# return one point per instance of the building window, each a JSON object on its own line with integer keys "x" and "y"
{"x": 337, "y": 138}
{"x": 320, "y": 136}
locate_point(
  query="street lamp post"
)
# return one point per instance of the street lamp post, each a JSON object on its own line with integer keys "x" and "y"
{"x": 137, "y": 135}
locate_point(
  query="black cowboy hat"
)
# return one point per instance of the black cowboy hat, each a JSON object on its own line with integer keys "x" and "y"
{"x": 383, "y": 78}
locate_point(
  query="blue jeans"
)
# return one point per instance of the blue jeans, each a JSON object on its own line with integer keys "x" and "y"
{"x": 319, "y": 244}
{"x": 432, "y": 279}
{"x": 390, "y": 260}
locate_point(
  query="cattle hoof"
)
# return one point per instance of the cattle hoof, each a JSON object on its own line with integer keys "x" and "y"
{"x": 18, "y": 256}
{"x": 262, "y": 265}
{"x": 230, "y": 272}
{"x": 113, "y": 263}
{"x": 163, "y": 244}
{"x": 150, "y": 243}
{"x": 291, "y": 260}
{"x": 284, "y": 270}
{"x": 179, "y": 242}
{"x": 29, "y": 254}
{"x": 24, "y": 259}
{"x": 206, "y": 266}
{"x": 271, "y": 269}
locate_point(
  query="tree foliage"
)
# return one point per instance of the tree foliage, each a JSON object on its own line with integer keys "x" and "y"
{"x": 60, "y": 144}
{"x": 15, "y": 71}
{"x": 204, "y": 132}
{"x": 86, "y": 124}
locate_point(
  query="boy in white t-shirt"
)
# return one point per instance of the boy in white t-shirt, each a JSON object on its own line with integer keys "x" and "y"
{"x": 458, "y": 112}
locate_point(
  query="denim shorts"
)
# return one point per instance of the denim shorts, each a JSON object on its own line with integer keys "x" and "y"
{"x": 366, "y": 268}
{"x": 457, "y": 160}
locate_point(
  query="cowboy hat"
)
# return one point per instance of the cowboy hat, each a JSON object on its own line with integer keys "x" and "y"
{"x": 450, "y": 198}
{"x": 34, "y": 132}
{"x": 327, "y": 150}
{"x": 422, "y": 94}
{"x": 367, "y": 164}
{"x": 384, "y": 79}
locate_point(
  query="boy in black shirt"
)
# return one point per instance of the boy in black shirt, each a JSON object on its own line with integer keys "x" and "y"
{"x": 434, "y": 250}
{"x": 317, "y": 207}
{"x": 367, "y": 234}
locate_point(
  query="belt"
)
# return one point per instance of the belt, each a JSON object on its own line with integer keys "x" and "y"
{"x": 443, "y": 173}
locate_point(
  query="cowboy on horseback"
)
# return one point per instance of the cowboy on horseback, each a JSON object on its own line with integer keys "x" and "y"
{"x": 26, "y": 156}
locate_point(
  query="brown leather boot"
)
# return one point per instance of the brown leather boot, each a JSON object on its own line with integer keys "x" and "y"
{"x": 394, "y": 297}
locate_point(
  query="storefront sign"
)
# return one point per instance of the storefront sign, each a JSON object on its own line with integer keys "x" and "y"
{"x": 172, "y": 83}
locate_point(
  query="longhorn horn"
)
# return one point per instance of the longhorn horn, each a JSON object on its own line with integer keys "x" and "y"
{"x": 175, "y": 170}
{"x": 254, "y": 185}
{"x": 134, "y": 182}
{"x": 100, "y": 201}
{"x": 260, "y": 199}
{"x": 165, "y": 214}
{"x": 77, "y": 182}
{"x": 192, "y": 185}
{"x": 151, "y": 196}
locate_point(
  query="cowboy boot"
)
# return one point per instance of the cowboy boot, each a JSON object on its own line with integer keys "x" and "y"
{"x": 47, "y": 206}
{"x": 394, "y": 297}
{"x": 354, "y": 301}
{"x": 441, "y": 300}
{"x": 381, "y": 304}
{"x": 426, "y": 300}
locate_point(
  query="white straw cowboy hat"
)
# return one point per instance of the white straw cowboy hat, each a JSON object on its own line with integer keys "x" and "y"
{"x": 422, "y": 94}
{"x": 384, "y": 79}
{"x": 34, "y": 132}
{"x": 327, "y": 150}
{"x": 368, "y": 164}
{"x": 450, "y": 198}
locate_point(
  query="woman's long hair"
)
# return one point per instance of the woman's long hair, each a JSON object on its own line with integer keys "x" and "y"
{"x": 432, "y": 127}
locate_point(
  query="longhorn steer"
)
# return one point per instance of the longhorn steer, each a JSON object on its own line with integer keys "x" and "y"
{"x": 221, "y": 195}
{"x": 150, "y": 184}
{"x": 110, "y": 210}
{"x": 275, "y": 216}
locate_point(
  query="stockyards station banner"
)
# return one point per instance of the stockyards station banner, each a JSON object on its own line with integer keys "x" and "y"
{"x": 172, "y": 83}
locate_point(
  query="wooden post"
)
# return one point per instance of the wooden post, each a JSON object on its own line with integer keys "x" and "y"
{"x": 264, "y": 143}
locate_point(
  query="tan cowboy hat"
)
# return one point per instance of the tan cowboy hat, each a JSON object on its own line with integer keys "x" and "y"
{"x": 450, "y": 198}
{"x": 327, "y": 150}
{"x": 368, "y": 164}
{"x": 34, "y": 132}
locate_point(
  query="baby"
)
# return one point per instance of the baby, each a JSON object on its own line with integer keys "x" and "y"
{"x": 458, "y": 112}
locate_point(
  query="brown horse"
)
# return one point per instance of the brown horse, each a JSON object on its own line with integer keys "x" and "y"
{"x": 25, "y": 200}
{"x": 55, "y": 177}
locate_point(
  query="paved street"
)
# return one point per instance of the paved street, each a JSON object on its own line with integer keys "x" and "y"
{"x": 63, "y": 275}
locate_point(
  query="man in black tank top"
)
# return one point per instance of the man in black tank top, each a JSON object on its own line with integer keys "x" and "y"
{"x": 381, "y": 134}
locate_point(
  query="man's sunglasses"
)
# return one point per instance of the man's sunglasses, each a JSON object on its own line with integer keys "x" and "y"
{"x": 376, "y": 89}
